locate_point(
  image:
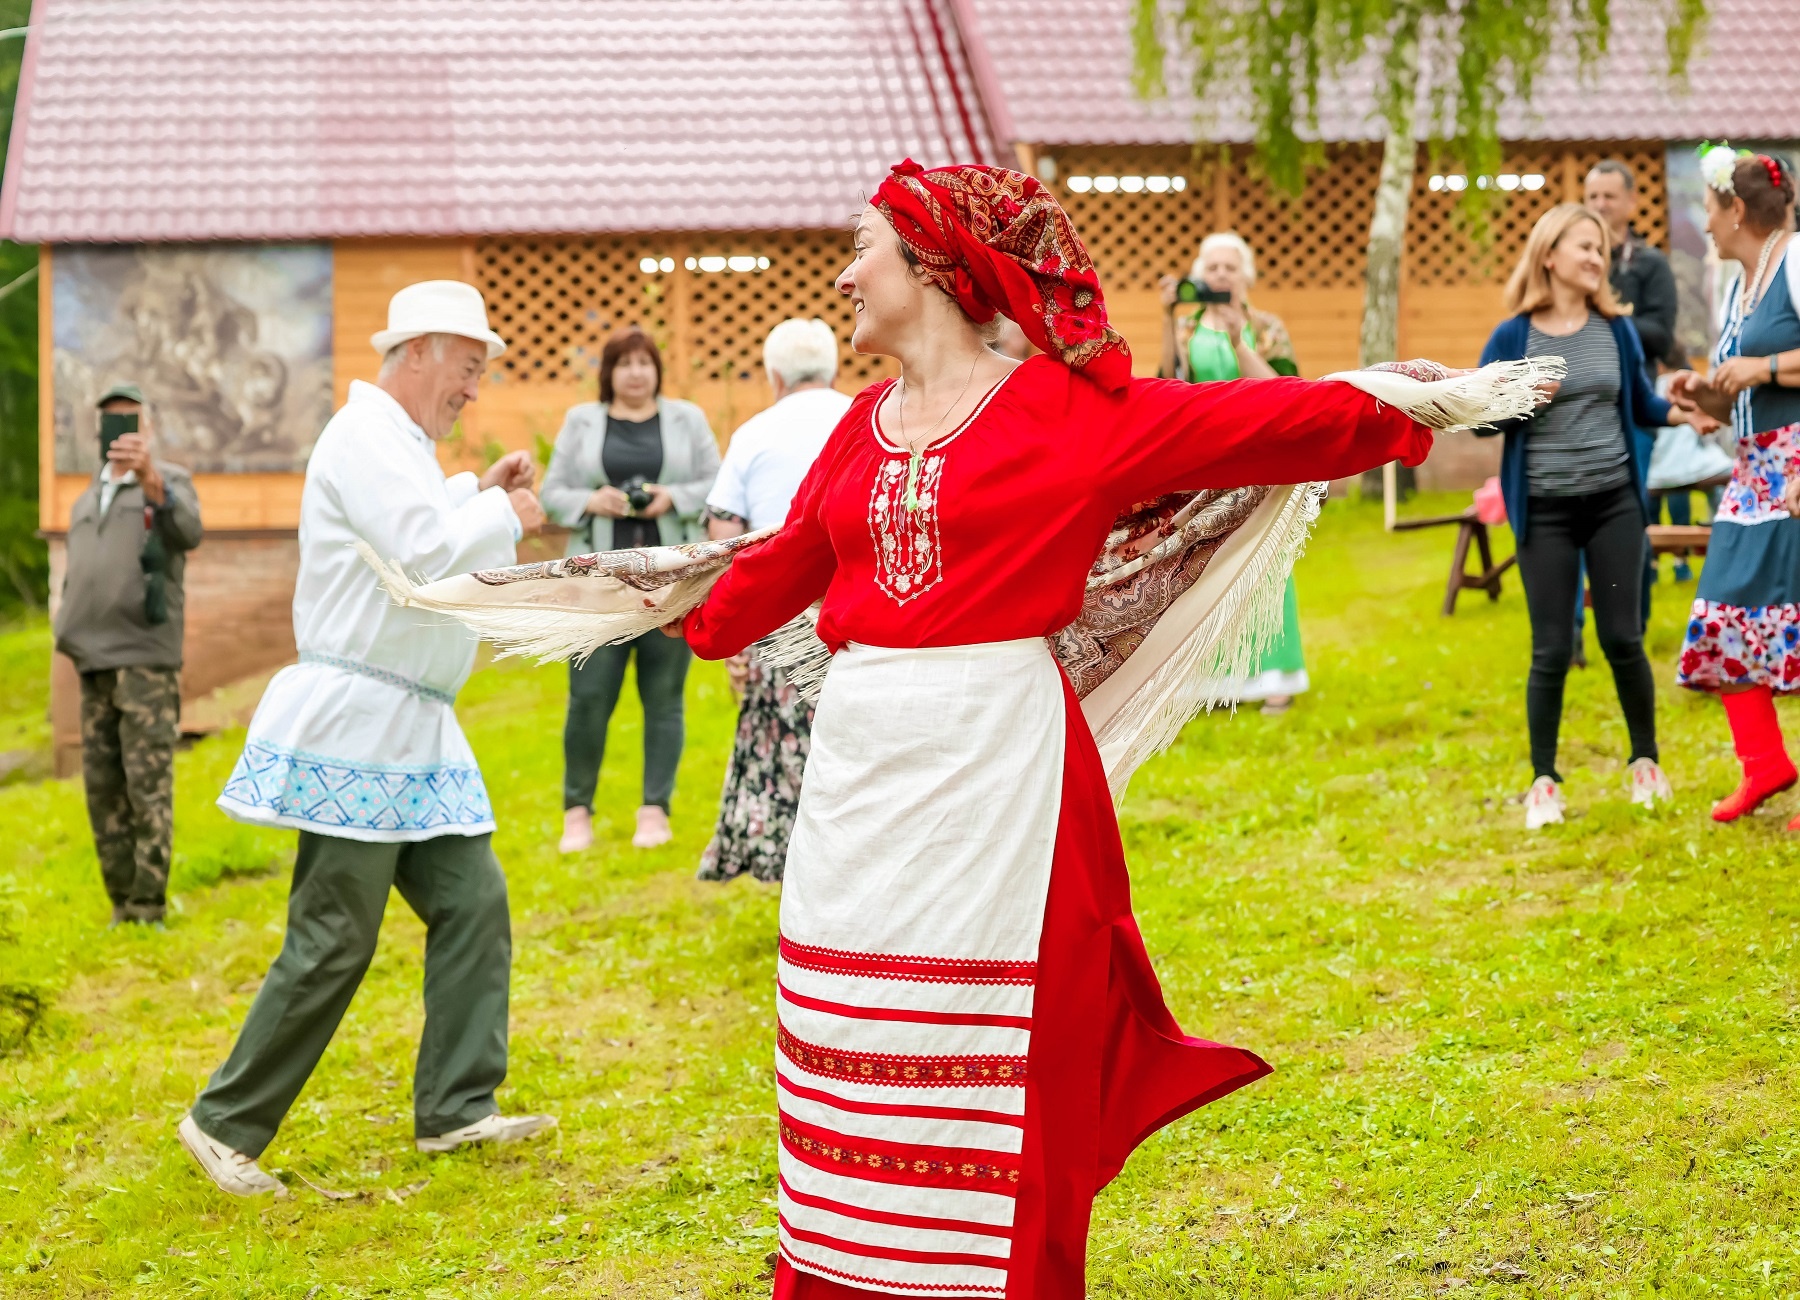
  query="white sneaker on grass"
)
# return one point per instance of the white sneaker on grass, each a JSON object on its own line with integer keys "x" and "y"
{"x": 1648, "y": 784}
{"x": 494, "y": 1128}
{"x": 233, "y": 1171}
{"x": 1543, "y": 804}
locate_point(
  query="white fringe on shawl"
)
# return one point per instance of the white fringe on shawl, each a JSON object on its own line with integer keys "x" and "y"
{"x": 569, "y": 608}
{"x": 1214, "y": 632}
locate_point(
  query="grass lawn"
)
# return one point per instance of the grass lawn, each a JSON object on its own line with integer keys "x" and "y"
{"x": 1559, "y": 1064}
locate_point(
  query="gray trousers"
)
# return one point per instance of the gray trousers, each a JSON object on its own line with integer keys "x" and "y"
{"x": 340, "y": 888}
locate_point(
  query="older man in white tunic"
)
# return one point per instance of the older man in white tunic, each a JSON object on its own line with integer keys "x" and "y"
{"x": 358, "y": 748}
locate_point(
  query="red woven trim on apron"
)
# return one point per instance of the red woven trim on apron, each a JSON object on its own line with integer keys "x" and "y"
{"x": 902, "y": 1071}
{"x": 903, "y": 1163}
{"x": 904, "y": 1014}
{"x": 894, "y": 966}
{"x": 886, "y": 1285}
{"x": 867, "y": 1215}
{"x": 897, "y": 1109}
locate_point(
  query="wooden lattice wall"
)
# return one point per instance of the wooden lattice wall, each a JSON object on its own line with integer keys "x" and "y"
{"x": 709, "y": 301}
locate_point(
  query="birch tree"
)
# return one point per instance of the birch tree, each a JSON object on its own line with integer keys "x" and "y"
{"x": 1447, "y": 64}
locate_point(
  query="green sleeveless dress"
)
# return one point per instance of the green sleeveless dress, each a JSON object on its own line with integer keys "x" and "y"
{"x": 1283, "y": 667}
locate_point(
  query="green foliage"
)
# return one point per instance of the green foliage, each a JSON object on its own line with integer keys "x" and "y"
{"x": 1553, "y": 1065}
{"x": 24, "y": 562}
{"x": 1471, "y": 56}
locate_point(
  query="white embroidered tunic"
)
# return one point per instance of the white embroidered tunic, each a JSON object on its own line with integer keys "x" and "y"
{"x": 359, "y": 740}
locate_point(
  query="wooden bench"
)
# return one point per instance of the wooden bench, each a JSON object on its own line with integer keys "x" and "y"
{"x": 1469, "y": 529}
{"x": 1678, "y": 539}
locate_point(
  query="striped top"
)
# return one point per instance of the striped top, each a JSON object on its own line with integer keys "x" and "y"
{"x": 1577, "y": 443}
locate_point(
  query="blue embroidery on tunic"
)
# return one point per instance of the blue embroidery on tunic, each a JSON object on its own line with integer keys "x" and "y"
{"x": 386, "y": 675}
{"x": 335, "y": 795}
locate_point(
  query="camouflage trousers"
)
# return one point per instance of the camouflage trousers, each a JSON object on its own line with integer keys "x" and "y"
{"x": 128, "y": 732}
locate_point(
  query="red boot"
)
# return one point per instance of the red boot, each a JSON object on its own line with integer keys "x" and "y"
{"x": 1756, "y": 735}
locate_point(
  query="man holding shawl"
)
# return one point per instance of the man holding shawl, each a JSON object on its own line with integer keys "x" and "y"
{"x": 358, "y": 748}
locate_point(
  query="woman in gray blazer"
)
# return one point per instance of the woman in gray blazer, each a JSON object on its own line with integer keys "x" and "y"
{"x": 632, "y": 469}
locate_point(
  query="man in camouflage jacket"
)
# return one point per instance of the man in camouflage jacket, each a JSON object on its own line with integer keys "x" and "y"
{"x": 120, "y": 621}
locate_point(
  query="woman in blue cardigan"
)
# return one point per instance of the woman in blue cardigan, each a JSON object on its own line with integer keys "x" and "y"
{"x": 1573, "y": 478}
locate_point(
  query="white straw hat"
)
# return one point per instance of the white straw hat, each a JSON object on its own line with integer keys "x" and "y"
{"x": 437, "y": 307}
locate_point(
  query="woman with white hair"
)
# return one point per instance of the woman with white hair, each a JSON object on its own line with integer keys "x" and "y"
{"x": 768, "y": 456}
{"x": 1233, "y": 340}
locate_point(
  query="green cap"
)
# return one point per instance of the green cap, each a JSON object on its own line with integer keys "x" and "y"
{"x": 125, "y": 392}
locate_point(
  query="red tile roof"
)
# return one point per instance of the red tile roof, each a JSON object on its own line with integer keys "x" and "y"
{"x": 1065, "y": 69}
{"x": 301, "y": 119}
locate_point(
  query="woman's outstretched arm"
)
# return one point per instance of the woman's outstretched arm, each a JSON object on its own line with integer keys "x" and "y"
{"x": 1167, "y": 436}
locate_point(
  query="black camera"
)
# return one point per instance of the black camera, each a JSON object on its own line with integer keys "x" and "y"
{"x": 1195, "y": 291}
{"x": 636, "y": 493}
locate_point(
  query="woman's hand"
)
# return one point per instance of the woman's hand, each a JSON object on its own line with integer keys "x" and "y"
{"x": 1684, "y": 388}
{"x": 609, "y": 503}
{"x": 660, "y": 501}
{"x": 1696, "y": 419}
{"x": 1167, "y": 287}
{"x": 737, "y": 670}
{"x": 1734, "y": 376}
{"x": 1229, "y": 319}
{"x": 1790, "y": 496}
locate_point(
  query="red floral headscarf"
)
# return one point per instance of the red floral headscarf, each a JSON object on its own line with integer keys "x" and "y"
{"x": 996, "y": 241}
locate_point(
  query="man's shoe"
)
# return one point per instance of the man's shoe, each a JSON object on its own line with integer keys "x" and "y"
{"x": 495, "y": 1128}
{"x": 233, "y": 1171}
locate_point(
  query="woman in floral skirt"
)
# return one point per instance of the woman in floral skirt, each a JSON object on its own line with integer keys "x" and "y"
{"x": 1743, "y": 641}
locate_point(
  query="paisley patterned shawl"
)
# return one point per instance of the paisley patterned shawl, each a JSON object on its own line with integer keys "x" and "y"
{"x": 1156, "y": 551}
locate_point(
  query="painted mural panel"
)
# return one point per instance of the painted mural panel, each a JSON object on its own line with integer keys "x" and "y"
{"x": 231, "y": 346}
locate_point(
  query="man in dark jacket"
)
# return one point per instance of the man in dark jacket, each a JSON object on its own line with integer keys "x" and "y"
{"x": 1640, "y": 273}
{"x": 119, "y": 620}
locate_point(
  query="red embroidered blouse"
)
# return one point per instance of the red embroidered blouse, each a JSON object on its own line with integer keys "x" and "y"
{"x": 1013, "y": 506}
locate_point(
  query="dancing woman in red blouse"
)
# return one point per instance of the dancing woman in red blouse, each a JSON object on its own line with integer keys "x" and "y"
{"x": 971, "y": 1040}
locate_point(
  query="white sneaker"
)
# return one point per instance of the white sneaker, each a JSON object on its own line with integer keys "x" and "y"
{"x": 1543, "y": 804}
{"x": 233, "y": 1171}
{"x": 652, "y": 828}
{"x": 1648, "y": 784}
{"x": 578, "y": 831}
{"x": 495, "y": 1128}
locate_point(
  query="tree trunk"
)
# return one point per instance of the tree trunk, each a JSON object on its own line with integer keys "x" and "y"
{"x": 1380, "y": 339}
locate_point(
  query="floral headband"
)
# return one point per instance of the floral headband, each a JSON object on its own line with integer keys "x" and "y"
{"x": 1719, "y": 161}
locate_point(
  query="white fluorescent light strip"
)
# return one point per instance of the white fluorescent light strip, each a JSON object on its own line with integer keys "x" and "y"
{"x": 1507, "y": 181}
{"x": 1126, "y": 184}
{"x": 738, "y": 262}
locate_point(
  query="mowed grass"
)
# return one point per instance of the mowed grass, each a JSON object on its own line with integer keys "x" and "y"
{"x": 1558, "y": 1064}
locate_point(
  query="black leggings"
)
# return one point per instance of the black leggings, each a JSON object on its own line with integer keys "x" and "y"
{"x": 1608, "y": 527}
